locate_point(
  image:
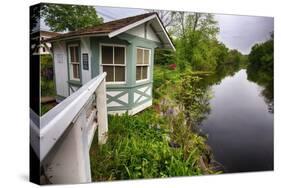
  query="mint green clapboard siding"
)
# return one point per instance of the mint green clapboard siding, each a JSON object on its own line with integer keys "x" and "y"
{"x": 131, "y": 86}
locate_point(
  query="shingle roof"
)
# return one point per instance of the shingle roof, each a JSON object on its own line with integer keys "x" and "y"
{"x": 104, "y": 28}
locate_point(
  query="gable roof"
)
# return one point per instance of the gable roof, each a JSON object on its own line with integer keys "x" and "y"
{"x": 116, "y": 27}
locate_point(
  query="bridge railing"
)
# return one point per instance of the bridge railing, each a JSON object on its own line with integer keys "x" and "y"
{"x": 66, "y": 132}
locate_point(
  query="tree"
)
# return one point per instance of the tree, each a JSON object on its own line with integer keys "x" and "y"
{"x": 260, "y": 69}
{"x": 196, "y": 39}
{"x": 167, "y": 17}
{"x": 70, "y": 17}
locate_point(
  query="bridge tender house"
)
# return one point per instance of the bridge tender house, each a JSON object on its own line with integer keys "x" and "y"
{"x": 124, "y": 49}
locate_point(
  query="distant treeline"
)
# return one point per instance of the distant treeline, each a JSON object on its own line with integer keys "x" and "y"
{"x": 260, "y": 69}
{"x": 197, "y": 47}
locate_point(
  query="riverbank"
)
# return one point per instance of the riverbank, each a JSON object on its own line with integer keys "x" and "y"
{"x": 158, "y": 142}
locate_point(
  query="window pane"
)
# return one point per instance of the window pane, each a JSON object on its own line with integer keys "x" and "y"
{"x": 71, "y": 54}
{"x": 74, "y": 55}
{"x": 146, "y": 57}
{"x": 119, "y": 74}
{"x": 138, "y": 75}
{"x": 119, "y": 55}
{"x": 107, "y": 55}
{"x": 109, "y": 71}
{"x": 139, "y": 56}
{"x": 144, "y": 72}
{"x": 76, "y": 73}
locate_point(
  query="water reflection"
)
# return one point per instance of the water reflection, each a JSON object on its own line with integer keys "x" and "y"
{"x": 239, "y": 127}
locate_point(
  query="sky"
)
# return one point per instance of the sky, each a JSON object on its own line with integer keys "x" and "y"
{"x": 236, "y": 32}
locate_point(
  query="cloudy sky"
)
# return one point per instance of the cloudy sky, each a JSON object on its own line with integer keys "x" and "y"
{"x": 236, "y": 32}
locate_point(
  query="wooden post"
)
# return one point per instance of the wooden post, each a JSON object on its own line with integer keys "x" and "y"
{"x": 102, "y": 113}
{"x": 69, "y": 160}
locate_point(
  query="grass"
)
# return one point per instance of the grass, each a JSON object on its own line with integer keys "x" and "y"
{"x": 139, "y": 146}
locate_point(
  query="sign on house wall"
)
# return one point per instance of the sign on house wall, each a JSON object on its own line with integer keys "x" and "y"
{"x": 85, "y": 60}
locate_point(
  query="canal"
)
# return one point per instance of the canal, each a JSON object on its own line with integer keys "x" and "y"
{"x": 239, "y": 126}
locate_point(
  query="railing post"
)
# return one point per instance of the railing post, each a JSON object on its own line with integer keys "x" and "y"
{"x": 102, "y": 113}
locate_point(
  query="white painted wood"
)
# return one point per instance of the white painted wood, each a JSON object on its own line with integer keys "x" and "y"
{"x": 69, "y": 160}
{"x": 142, "y": 99}
{"x": 136, "y": 97}
{"x": 150, "y": 34}
{"x": 86, "y": 48}
{"x": 113, "y": 93}
{"x": 149, "y": 92}
{"x": 140, "y": 108}
{"x": 60, "y": 68}
{"x": 143, "y": 89}
{"x": 102, "y": 113}
{"x": 124, "y": 98}
{"x": 67, "y": 131}
{"x": 130, "y": 26}
{"x": 137, "y": 31}
{"x": 56, "y": 121}
{"x": 114, "y": 104}
{"x": 73, "y": 89}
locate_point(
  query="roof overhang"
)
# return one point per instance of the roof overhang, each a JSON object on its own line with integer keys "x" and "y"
{"x": 153, "y": 20}
{"x": 157, "y": 26}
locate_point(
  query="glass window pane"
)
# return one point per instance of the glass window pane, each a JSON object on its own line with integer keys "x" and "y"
{"x": 138, "y": 73}
{"x": 71, "y": 54}
{"x": 74, "y": 54}
{"x": 144, "y": 72}
{"x": 146, "y": 57}
{"x": 76, "y": 73}
{"x": 139, "y": 56}
{"x": 107, "y": 55}
{"x": 119, "y": 55}
{"x": 109, "y": 71}
{"x": 119, "y": 74}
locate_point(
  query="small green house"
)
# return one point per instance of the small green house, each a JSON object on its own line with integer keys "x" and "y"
{"x": 124, "y": 49}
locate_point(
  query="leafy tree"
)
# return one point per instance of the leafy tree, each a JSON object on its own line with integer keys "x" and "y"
{"x": 196, "y": 38}
{"x": 70, "y": 17}
{"x": 260, "y": 68}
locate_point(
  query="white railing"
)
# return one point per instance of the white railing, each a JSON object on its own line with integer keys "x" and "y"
{"x": 66, "y": 133}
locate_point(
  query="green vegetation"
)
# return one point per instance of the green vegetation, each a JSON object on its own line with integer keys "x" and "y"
{"x": 260, "y": 68}
{"x": 47, "y": 82}
{"x": 61, "y": 17}
{"x": 198, "y": 49}
{"x": 158, "y": 142}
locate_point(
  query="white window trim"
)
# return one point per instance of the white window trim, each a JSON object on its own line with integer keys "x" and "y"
{"x": 119, "y": 65}
{"x": 142, "y": 65}
{"x": 71, "y": 77}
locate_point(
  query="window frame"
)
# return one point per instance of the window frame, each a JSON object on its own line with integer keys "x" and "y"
{"x": 114, "y": 65}
{"x": 70, "y": 64}
{"x": 143, "y": 65}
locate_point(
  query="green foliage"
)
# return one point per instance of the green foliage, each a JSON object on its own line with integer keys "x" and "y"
{"x": 195, "y": 100}
{"x": 138, "y": 147}
{"x": 260, "y": 69}
{"x": 164, "y": 56}
{"x": 197, "y": 46}
{"x": 195, "y": 42}
{"x": 61, "y": 17}
{"x": 47, "y": 84}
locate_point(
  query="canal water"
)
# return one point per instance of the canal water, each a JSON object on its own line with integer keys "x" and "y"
{"x": 239, "y": 126}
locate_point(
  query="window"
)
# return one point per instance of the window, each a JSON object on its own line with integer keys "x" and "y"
{"x": 74, "y": 62}
{"x": 113, "y": 63}
{"x": 143, "y": 62}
